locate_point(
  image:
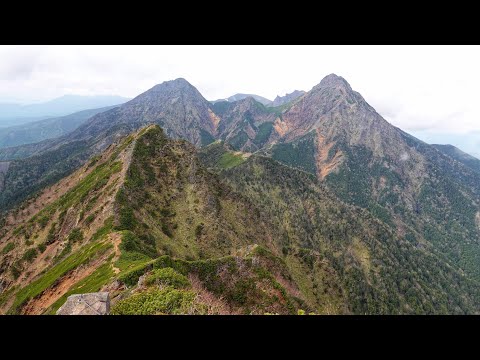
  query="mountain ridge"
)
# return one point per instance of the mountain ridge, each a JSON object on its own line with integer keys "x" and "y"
{"x": 148, "y": 223}
{"x": 240, "y": 96}
{"x": 427, "y": 202}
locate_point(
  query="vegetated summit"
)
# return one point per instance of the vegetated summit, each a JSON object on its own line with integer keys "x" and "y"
{"x": 173, "y": 204}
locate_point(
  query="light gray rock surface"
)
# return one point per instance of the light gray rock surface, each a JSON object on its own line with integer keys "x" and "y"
{"x": 86, "y": 304}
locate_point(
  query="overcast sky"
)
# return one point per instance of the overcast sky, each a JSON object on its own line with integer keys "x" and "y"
{"x": 417, "y": 88}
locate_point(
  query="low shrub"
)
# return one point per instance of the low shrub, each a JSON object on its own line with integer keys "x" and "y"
{"x": 9, "y": 247}
{"x": 167, "y": 276}
{"x": 156, "y": 301}
{"x": 29, "y": 255}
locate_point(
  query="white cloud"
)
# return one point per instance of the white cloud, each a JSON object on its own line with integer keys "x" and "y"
{"x": 414, "y": 87}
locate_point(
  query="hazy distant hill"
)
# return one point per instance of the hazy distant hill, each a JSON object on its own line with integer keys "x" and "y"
{"x": 45, "y": 129}
{"x": 281, "y": 100}
{"x": 15, "y": 114}
{"x": 459, "y": 155}
{"x": 238, "y": 97}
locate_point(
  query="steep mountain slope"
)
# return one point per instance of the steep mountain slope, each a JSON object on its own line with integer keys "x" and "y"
{"x": 457, "y": 154}
{"x": 333, "y": 133}
{"x": 45, "y": 129}
{"x": 61, "y": 237}
{"x": 282, "y": 100}
{"x": 238, "y": 97}
{"x": 246, "y": 124}
{"x": 148, "y": 223}
{"x": 176, "y": 105}
{"x": 374, "y": 270}
{"x": 127, "y": 212}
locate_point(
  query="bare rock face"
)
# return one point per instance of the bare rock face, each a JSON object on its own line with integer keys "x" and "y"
{"x": 86, "y": 304}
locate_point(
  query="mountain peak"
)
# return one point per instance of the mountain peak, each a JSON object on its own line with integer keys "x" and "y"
{"x": 334, "y": 80}
{"x": 176, "y": 83}
{"x": 166, "y": 90}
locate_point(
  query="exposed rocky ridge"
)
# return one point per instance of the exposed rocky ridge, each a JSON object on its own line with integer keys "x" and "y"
{"x": 238, "y": 97}
{"x": 245, "y": 124}
{"x": 282, "y": 100}
{"x": 334, "y": 133}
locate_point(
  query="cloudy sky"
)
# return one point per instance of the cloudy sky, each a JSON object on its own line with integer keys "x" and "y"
{"x": 422, "y": 89}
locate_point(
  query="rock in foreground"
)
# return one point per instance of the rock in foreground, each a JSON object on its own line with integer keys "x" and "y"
{"x": 86, "y": 304}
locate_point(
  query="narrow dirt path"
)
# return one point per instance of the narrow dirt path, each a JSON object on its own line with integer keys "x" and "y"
{"x": 116, "y": 239}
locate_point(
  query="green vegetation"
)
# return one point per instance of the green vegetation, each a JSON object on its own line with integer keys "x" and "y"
{"x": 7, "y": 248}
{"x": 229, "y": 160}
{"x": 82, "y": 256}
{"x": 238, "y": 140}
{"x": 221, "y": 277}
{"x": 323, "y": 246}
{"x": 221, "y": 107}
{"x": 320, "y": 235}
{"x": 51, "y": 234}
{"x": 263, "y": 134}
{"x": 28, "y": 176}
{"x": 89, "y": 219}
{"x": 104, "y": 230}
{"x": 29, "y": 255}
{"x": 129, "y": 260}
{"x": 91, "y": 283}
{"x": 93, "y": 181}
{"x": 75, "y": 235}
{"x": 4, "y": 296}
{"x": 41, "y": 248}
{"x": 132, "y": 244}
{"x": 167, "y": 276}
{"x": 156, "y": 301}
{"x": 206, "y": 138}
{"x": 299, "y": 154}
{"x": 130, "y": 277}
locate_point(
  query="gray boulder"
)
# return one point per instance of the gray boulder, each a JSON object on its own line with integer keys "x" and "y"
{"x": 86, "y": 304}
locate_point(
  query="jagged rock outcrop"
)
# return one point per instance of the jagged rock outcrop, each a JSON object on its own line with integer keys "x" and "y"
{"x": 281, "y": 100}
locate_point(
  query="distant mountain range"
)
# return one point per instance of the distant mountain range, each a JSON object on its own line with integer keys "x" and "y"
{"x": 238, "y": 97}
{"x": 176, "y": 205}
{"x": 40, "y": 130}
{"x": 279, "y": 100}
{"x": 282, "y": 100}
{"x": 15, "y": 114}
{"x": 469, "y": 142}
